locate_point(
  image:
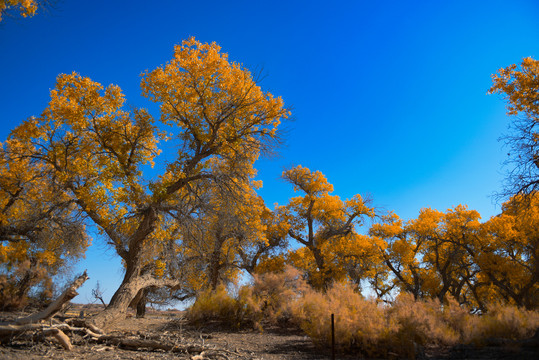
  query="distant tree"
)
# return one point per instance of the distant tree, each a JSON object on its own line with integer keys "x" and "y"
{"x": 520, "y": 87}
{"x": 215, "y": 116}
{"x": 508, "y": 254}
{"x": 325, "y": 227}
{"x": 97, "y": 293}
{"x": 431, "y": 256}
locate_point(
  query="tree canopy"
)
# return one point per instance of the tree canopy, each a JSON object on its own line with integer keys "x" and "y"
{"x": 25, "y": 7}
{"x": 94, "y": 151}
{"x": 520, "y": 87}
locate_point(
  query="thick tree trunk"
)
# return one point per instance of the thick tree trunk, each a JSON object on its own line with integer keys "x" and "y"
{"x": 118, "y": 305}
{"x": 133, "y": 282}
{"x": 141, "y": 304}
{"x": 128, "y": 290}
{"x": 214, "y": 267}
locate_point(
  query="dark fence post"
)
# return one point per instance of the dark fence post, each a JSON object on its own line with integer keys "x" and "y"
{"x": 332, "y": 337}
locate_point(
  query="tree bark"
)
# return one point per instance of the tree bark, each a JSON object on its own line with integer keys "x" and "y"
{"x": 133, "y": 281}
{"x": 117, "y": 308}
{"x": 141, "y": 304}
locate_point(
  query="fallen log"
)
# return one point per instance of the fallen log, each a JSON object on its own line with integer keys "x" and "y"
{"x": 57, "y": 304}
{"x": 35, "y": 322}
{"x": 135, "y": 344}
{"x": 43, "y": 324}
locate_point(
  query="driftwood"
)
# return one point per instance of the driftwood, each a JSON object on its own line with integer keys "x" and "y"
{"x": 36, "y": 322}
{"x": 42, "y": 324}
{"x": 135, "y": 344}
{"x": 57, "y": 304}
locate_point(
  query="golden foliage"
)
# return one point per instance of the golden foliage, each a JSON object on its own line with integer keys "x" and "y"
{"x": 325, "y": 227}
{"x": 94, "y": 152}
{"x": 25, "y": 7}
{"x": 520, "y": 87}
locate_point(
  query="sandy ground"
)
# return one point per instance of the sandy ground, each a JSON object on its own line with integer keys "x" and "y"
{"x": 271, "y": 344}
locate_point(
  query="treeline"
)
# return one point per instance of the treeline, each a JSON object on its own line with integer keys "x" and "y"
{"x": 83, "y": 163}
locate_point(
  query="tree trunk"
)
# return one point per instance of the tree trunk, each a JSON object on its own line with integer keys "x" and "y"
{"x": 128, "y": 290}
{"x": 141, "y": 304}
{"x": 118, "y": 305}
{"x": 320, "y": 263}
{"x": 133, "y": 282}
{"x": 214, "y": 269}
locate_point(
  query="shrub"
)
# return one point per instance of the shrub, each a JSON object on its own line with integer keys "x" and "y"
{"x": 26, "y": 284}
{"x": 503, "y": 321}
{"x": 423, "y": 322}
{"x": 368, "y": 329}
{"x": 360, "y": 324}
{"x": 267, "y": 300}
{"x": 273, "y": 294}
{"x": 216, "y": 305}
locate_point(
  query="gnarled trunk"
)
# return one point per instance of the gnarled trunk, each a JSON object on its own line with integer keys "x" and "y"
{"x": 117, "y": 308}
{"x": 133, "y": 281}
{"x": 132, "y": 285}
{"x": 140, "y": 303}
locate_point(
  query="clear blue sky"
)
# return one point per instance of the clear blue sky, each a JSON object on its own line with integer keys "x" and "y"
{"x": 389, "y": 97}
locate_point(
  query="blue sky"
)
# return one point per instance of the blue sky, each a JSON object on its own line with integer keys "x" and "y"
{"x": 389, "y": 97}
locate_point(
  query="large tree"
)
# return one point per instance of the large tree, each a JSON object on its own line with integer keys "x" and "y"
{"x": 520, "y": 87}
{"x": 97, "y": 152}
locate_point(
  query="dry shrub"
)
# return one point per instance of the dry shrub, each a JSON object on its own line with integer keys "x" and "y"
{"x": 423, "y": 322}
{"x": 25, "y": 285}
{"x": 267, "y": 301}
{"x": 360, "y": 324}
{"x": 218, "y": 306}
{"x": 368, "y": 329}
{"x": 272, "y": 295}
{"x": 503, "y": 321}
{"x": 10, "y": 295}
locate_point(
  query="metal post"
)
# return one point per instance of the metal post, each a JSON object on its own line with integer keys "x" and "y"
{"x": 332, "y": 337}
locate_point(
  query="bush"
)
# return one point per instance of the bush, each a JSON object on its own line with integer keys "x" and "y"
{"x": 267, "y": 300}
{"x": 368, "y": 329}
{"x": 218, "y": 306}
{"x": 25, "y": 285}
{"x": 360, "y": 324}
{"x": 272, "y": 295}
{"x": 503, "y": 321}
{"x": 423, "y": 322}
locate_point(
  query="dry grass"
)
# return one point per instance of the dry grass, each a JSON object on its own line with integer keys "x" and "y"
{"x": 362, "y": 326}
